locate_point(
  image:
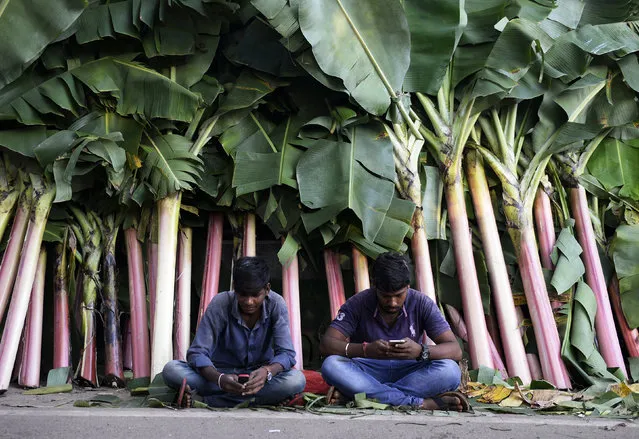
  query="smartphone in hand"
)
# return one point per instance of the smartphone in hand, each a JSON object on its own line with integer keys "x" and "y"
{"x": 242, "y": 378}
{"x": 396, "y": 342}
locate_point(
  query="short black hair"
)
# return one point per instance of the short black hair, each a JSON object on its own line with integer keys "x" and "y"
{"x": 250, "y": 275}
{"x": 390, "y": 272}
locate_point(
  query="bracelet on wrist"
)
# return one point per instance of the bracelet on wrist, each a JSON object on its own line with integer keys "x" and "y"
{"x": 219, "y": 380}
{"x": 364, "y": 349}
{"x": 346, "y": 350}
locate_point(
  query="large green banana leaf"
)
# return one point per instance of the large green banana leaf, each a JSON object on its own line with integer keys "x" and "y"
{"x": 624, "y": 250}
{"x": 435, "y": 31}
{"x": 136, "y": 88}
{"x": 366, "y": 44}
{"x": 28, "y": 27}
{"x": 357, "y": 175}
{"x": 139, "y": 89}
{"x": 258, "y": 166}
{"x": 614, "y": 164}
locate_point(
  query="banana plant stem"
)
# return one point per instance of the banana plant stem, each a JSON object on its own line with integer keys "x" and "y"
{"x": 29, "y": 375}
{"x": 182, "y": 338}
{"x": 291, "y": 294}
{"x": 604, "y": 322}
{"x": 140, "y": 353}
{"x": 213, "y": 261}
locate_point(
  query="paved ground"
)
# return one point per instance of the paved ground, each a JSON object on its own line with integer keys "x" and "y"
{"x": 53, "y": 416}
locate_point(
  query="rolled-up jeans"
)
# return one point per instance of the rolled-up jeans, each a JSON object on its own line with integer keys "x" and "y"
{"x": 394, "y": 382}
{"x": 283, "y": 385}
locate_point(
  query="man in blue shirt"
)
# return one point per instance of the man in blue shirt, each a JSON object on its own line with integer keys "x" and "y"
{"x": 245, "y": 331}
{"x": 373, "y": 345}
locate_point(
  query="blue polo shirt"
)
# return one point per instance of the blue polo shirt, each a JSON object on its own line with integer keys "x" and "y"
{"x": 359, "y": 318}
{"x": 222, "y": 340}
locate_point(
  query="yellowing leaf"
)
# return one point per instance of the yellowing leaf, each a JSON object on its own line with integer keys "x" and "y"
{"x": 514, "y": 400}
{"x": 475, "y": 389}
{"x": 621, "y": 389}
{"x": 135, "y": 161}
{"x": 495, "y": 395}
{"x": 634, "y": 387}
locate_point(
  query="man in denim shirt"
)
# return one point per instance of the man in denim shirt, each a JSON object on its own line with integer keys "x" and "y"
{"x": 373, "y": 345}
{"x": 245, "y": 331}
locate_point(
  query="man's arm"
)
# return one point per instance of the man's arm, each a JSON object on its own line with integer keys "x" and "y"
{"x": 446, "y": 347}
{"x": 334, "y": 343}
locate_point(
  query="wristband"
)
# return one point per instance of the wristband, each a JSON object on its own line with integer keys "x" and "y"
{"x": 346, "y": 350}
{"x": 219, "y": 380}
{"x": 364, "y": 348}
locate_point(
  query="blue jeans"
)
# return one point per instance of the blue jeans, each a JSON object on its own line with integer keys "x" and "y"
{"x": 282, "y": 386}
{"x": 394, "y": 382}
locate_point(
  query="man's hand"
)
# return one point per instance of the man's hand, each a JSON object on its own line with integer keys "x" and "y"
{"x": 409, "y": 350}
{"x": 378, "y": 349}
{"x": 256, "y": 381}
{"x": 229, "y": 383}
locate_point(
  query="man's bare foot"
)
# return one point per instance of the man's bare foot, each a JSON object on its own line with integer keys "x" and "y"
{"x": 450, "y": 401}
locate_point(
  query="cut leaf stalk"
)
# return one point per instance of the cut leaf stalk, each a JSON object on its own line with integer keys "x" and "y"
{"x": 182, "y": 338}
{"x": 43, "y": 197}
{"x": 29, "y": 375}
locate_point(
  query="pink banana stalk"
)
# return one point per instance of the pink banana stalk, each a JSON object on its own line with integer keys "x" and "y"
{"x": 630, "y": 336}
{"x": 336, "y": 294}
{"x": 545, "y": 228}
{"x": 360, "y": 271}
{"x": 29, "y": 375}
{"x": 540, "y": 310}
{"x": 478, "y": 344}
{"x": 11, "y": 257}
{"x": 182, "y": 338}
{"x": 502, "y": 294}
{"x": 604, "y": 321}
{"x": 459, "y": 327}
{"x": 141, "y": 354}
{"x": 291, "y": 294}
{"x": 213, "y": 261}
{"x": 43, "y": 197}
{"x": 61, "y": 322}
{"x": 535, "y": 367}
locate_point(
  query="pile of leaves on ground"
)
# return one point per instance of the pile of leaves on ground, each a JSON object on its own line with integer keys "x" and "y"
{"x": 485, "y": 389}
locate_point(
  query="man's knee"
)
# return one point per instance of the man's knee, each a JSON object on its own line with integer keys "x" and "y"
{"x": 449, "y": 373}
{"x": 295, "y": 382}
{"x": 331, "y": 364}
{"x": 171, "y": 372}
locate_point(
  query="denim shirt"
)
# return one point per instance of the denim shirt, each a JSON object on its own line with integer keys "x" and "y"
{"x": 223, "y": 340}
{"x": 359, "y": 318}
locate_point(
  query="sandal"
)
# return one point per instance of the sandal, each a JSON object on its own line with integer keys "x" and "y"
{"x": 444, "y": 406}
{"x": 184, "y": 398}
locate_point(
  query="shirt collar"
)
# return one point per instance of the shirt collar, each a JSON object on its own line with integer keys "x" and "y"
{"x": 404, "y": 312}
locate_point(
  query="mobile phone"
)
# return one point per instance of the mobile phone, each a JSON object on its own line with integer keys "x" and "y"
{"x": 242, "y": 378}
{"x": 403, "y": 340}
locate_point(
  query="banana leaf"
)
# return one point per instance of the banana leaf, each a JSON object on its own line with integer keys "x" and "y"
{"x": 27, "y": 28}
{"x": 170, "y": 166}
{"x": 350, "y": 42}
{"x": 357, "y": 175}
{"x": 624, "y": 249}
